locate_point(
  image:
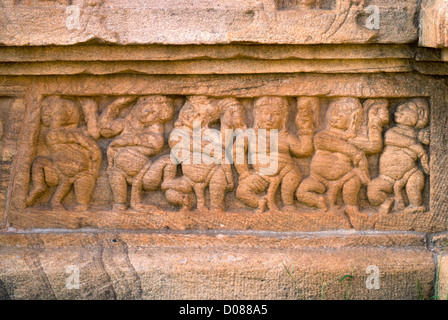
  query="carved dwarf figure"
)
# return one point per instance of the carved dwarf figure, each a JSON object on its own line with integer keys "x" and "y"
{"x": 337, "y": 163}
{"x": 74, "y": 158}
{"x": 398, "y": 170}
{"x": 271, "y": 114}
{"x": 138, "y": 137}
{"x": 232, "y": 124}
{"x": 162, "y": 173}
{"x": 192, "y": 138}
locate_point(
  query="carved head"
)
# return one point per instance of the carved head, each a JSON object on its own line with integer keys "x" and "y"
{"x": 413, "y": 113}
{"x": 232, "y": 113}
{"x": 345, "y": 114}
{"x": 271, "y": 113}
{"x": 150, "y": 110}
{"x": 307, "y": 114}
{"x": 378, "y": 111}
{"x": 200, "y": 110}
{"x": 58, "y": 112}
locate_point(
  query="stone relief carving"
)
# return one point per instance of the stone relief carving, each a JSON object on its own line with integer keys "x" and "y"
{"x": 137, "y": 137}
{"x": 398, "y": 162}
{"x": 271, "y": 113}
{"x": 273, "y": 154}
{"x": 73, "y": 157}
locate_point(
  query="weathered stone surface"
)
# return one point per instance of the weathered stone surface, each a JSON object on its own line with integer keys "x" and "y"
{"x": 204, "y": 22}
{"x": 434, "y": 24}
{"x": 28, "y": 208}
{"x": 213, "y": 266}
{"x": 443, "y": 279}
{"x": 89, "y": 118}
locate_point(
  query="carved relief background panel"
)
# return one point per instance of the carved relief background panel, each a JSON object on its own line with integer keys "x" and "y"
{"x": 350, "y": 154}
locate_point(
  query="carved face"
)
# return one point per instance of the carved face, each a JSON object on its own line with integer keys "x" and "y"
{"x": 65, "y": 114}
{"x": 148, "y": 114}
{"x": 270, "y": 116}
{"x": 379, "y": 114}
{"x": 234, "y": 117}
{"x": 189, "y": 115}
{"x": 339, "y": 118}
{"x": 407, "y": 114}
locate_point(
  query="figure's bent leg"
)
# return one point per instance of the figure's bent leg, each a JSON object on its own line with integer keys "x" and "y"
{"x": 414, "y": 190}
{"x": 378, "y": 193}
{"x": 42, "y": 176}
{"x": 179, "y": 199}
{"x": 163, "y": 169}
{"x": 178, "y": 192}
{"x": 289, "y": 186}
{"x": 310, "y": 193}
{"x": 60, "y": 193}
{"x": 119, "y": 188}
{"x": 83, "y": 188}
{"x": 217, "y": 187}
{"x": 248, "y": 191}
{"x": 350, "y": 193}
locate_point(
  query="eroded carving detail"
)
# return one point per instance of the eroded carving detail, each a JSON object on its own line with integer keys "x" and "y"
{"x": 74, "y": 158}
{"x": 398, "y": 163}
{"x": 137, "y": 137}
{"x": 271, "y": 113}
{"x": 270, "y": 153}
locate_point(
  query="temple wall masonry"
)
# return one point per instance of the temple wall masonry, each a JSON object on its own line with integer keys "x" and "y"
{"x": 203, "y": 150}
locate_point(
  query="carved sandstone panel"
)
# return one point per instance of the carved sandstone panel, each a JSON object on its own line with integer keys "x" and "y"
{"x": 343, "y": 158}
{"x": 275, "y": 152}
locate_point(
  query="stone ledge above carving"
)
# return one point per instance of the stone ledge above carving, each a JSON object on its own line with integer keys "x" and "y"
{"x": 434, "y": 24}
{"x": 205, "y": 22}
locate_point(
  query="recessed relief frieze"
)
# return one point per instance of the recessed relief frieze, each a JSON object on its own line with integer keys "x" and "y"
{"x": 212, "y": 155}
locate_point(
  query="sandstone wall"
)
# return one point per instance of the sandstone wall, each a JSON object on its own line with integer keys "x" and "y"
{"x": 94, "y": 96}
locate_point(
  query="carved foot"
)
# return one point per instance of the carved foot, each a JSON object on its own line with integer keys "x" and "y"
{"x": 140, "y": 207}
{"x": 81, "y": 207}
{"x": 262, "y": 205}
{"x": 58, "y": 207}
{"x": 34, "y": 194}
{"x": 399, "y": 205}
{"x": 119, "y": 207}
{"x": 290, "y": 208}
{"x": 185, "y": 210}
{"x": 386, "y": 207}
{"x": 202, "y": 208}
{"x": 415, "y": 209}
{"x": 352, "y": 210}
{"x": 216, "y": 209}
{"x": 322, "y": 205}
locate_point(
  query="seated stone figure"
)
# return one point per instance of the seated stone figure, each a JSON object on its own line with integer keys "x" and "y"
{"x": 198, "y": 173}
{"x": 138, "y": 137}
{"x": 338, "y": 164}
{"x": 271, "y": 113}
{"x": 398, "y": 169}
{"x": 162, "y": 172}
{"x": 74, "y": 158}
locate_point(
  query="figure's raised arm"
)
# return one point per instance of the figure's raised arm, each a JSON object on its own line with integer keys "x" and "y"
{"x": 301, "y": 147}
{"x": 328, "y": 142}
{"x": 108, "y": 125}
